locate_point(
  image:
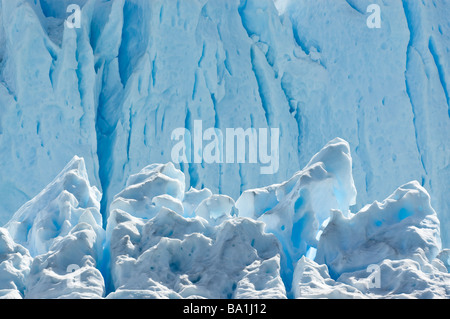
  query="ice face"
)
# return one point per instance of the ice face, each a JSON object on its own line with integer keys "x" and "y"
{"x": 163, "y": 254}
{"x": 312, "y": 280}
{"x": 47, "y": 101}
{"x": 402, "y": 226}
{"x": 387, "y": 93}
{"x": 113, "y": 90}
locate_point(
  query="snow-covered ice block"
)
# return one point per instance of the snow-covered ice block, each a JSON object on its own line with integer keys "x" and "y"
{"x": 138, "y": 198}
{"x": 403, "y": 278}
{"x": 261, "y": 280}
{"x": 62, "y": 228}
{"x": 51, "y": 215}
{"x": 70, "y": 269}
{"x": 192, "y": 198}
{"x": 10, "y": 294}
{"x": 403, "y": 226}
{"x": 444, "y": 256}
{"x": 159, "y": 253}
{"x": 15, "y": 262}
{"x": 169, "y": 202}
{"x": 295, "y": 210}
{"x": 191, "y": 258}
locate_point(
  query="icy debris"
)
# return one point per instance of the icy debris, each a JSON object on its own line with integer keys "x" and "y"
{"x": 264, "y": 277}
{"x": 296, "y": 239}
{"x": 160, "y": 253}
{"x": 444, "y": 257}
{"x": 216, "y": 209}
{"x": 69, "y": 269}
{"x": 192, "y": 198}
{"x": 62, "y": 228}
{"x": 189, "y": 257}
{"x": 15, "y": 264}
{"x": 399, "y": 279}
{"x": 140, "y": 197}
{"x": 402, "y": 226}
{"x": 312, "y": 280}
{"x": 169, "y": 202}
{"x": 403, "y": 278}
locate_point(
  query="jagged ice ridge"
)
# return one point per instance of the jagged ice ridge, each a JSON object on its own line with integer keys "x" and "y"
{"x": 297, "y": 239}
{"x": 113, "y": 90}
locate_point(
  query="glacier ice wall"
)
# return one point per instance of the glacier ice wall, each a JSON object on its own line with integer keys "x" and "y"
{"x": 113, "y": 90}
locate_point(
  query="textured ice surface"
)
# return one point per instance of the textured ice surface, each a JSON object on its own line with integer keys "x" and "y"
{"x": 113, "y": 90}
{"x": 313, "y": 281}
{"x": 400, "y": 236}
{"x": 67, "y": 201}
{"x": 15, "y": 264}
{"x": 295, "y": 210}
{"x": 62, "y": 229}
{"x": 403, "y": 226}
{"x": 403, "y": 278}
{"x": 161, "y": 254}
{"x": 69, "y": 268}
